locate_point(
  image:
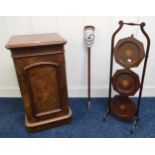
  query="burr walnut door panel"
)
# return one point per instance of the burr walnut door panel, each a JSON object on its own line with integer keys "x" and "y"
{"x": 43, "y": 84}
{"x": 41, "y": 79}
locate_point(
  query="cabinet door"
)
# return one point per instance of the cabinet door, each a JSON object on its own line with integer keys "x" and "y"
{"x": 43, "y": 85}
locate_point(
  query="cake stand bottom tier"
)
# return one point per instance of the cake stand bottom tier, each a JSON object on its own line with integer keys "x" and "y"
{"x": 123, "y": 107}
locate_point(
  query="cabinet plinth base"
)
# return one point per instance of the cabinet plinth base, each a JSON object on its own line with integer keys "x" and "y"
{"x": 50, "y": 123}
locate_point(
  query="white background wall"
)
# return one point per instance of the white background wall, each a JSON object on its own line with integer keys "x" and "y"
{"x": 71, "y": 28}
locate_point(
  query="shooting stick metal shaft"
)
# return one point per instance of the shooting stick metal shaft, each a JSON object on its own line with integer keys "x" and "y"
{"x": 89, "y": 78}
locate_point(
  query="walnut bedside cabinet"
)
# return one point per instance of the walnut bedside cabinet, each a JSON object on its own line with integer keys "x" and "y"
{"x": 40, "y": 67}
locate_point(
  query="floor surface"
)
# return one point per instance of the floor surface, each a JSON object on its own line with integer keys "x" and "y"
{"x": 85, "y": 124}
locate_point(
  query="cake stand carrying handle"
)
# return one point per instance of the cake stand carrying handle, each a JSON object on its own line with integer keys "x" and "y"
{"x": 132, "y": 24}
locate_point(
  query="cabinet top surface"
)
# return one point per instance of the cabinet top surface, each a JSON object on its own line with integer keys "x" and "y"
{"x": 19, "y": 41}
